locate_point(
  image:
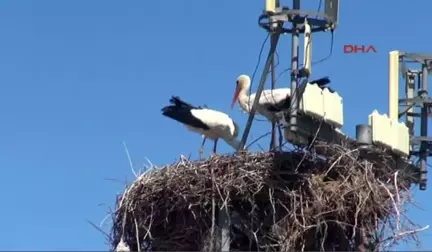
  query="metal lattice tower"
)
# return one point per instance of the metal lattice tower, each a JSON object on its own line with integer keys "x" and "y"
{"x": 417, "y": 105}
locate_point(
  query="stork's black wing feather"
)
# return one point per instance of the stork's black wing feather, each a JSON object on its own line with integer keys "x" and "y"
{"x": 181, "y": 112}
{"x": 180, "y": 103}
{"x": 282, "y": 105}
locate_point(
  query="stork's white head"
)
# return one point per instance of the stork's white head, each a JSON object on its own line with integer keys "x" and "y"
{"x": 242, "y": 85}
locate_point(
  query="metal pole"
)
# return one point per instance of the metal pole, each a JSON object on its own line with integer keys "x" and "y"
{"x": 225, "y": 225}
{"x": 294, "y": 68}
{"x": 273, "y": 84}
{"x": 274, "y": 27}
{"x": 260, "y": 89}
{"x": 423, "y": 130}
{"x": 410, "y": 86}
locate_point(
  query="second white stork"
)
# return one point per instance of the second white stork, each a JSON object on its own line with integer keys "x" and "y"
{"x": 272, "y": 101}
{"x": 209, "y": 123}
{"x": 270, "y": 104}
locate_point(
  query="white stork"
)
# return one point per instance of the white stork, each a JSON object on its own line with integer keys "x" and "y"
{"x": 209, "y": 123}
{"x": 272, "y": 101}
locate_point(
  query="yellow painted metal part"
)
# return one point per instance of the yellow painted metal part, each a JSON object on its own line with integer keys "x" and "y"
{"x": 270, "y": 5}
{"x": 393, "y": 85}
{"x": 307, "y": 51}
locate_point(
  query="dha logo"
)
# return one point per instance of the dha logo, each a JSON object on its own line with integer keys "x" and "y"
{"x": 359, "y": 48}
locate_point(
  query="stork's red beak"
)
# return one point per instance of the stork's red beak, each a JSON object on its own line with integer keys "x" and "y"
{"x": 236, "y": 94}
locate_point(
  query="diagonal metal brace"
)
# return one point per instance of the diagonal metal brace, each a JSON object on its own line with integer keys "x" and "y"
{"x": 260, "y": 88}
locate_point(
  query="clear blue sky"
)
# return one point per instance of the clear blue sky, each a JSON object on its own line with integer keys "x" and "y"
{"x": 79, "y": 77}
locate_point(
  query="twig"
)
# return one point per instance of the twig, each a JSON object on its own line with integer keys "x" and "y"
{"x": 212, "y": 238}
{"x": 395, "y": 206}
{"x": 396, "y": 187}
{"x": 411, "y": 231}
{"x": 130, "y": 160}
{"x": 338, "y": 159}
{"x": 148, "y": 233}
{"x": 402, "y": 234}
{"x": 310, "y": 145}
{"x": 259, "y": 138}
{"x": 104, "y": 219}
{"x": 137, "y": 234}
{"x": 100, "y": 230}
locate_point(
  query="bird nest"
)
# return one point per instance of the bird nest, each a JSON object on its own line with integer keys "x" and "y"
{"x": 276, "y": 202}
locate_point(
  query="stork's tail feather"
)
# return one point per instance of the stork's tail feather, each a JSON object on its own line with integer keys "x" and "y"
{"x": 177, "y": 104}
{"x": 177, "y": 101}
{"x": 181, "y": 112}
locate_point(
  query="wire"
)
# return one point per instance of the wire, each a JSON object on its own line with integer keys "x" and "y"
{"x": 258, "y": 62}
{"x": 331, "y": 46}
{"x": 331, "y": 49}
{"x": 284, "y": 71}
{"x": 319, "y": 7}
{"x": 277, "y": 59}
{"x": 256, "y": 68}
{"x": 298, "y": 80}
{"x": 315, "y": 62}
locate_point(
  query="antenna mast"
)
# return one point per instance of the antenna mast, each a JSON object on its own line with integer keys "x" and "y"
{"x": 302, "y": 22}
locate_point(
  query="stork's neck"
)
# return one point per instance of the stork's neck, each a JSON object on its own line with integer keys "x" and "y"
{"x": 244, "y": 101}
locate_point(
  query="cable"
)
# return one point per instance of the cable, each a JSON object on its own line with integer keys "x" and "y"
{"x": 331, "y": 46}
{"x": 315, "y": 62}
{"x": 256, "y": 68}
{"x": 319, "y": 7}
{"x": 331, "y": 49}
{"x": 298, "y": 80}
{"x": 258, "y": 63}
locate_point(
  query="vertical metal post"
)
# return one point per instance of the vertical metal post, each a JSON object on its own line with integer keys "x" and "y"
{"x": 225, "y": 227}
{"x": 393, "y": 83}
{"x": 294, "y": 72}
{"x": 423, "y": 130}
{"x": 410, "y": 87}
{"x": 274, "y": 27}
{"x": 273, "y": 84}
{"x": 259, "y": 90}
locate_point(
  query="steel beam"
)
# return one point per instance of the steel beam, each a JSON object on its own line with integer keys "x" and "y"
{"x": 266, "y": 69}
{"x": 294, "y": 72}
{"x": 424, "y": 131}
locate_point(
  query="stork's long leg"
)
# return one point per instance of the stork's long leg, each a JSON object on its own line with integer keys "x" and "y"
{"x": 273, "y": 137}
{"x": 215, "y": 145}
{"x": 280, "y": 119}
{"x": 280, "y": 136}
{"x": 202, "y": 148}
